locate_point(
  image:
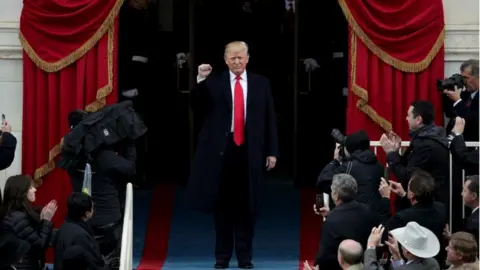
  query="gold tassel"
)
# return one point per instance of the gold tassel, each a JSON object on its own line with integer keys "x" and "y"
{"x": 74, "y": 56}
{"x": 96, "y": 105}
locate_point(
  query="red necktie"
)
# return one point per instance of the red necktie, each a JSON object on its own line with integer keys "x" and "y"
{"x": 238, "y": 114}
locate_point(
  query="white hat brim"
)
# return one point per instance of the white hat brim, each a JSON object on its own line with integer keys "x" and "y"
{"x": 432, "y": 247}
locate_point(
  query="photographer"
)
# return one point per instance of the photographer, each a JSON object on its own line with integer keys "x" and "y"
{"x": 356, "y": 158}
{"x": 110, "y": 166}
{"x": 464, "y": 103}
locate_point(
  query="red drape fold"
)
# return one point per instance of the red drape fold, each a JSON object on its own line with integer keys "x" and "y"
{"x": 59, "y": 79}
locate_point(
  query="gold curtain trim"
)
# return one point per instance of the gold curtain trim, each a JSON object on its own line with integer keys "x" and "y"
{"x": 99, "y": 103}
{"x": 74, "y": 56}
{"x": 384, "y": 56}
{"x": 361, "y": 93}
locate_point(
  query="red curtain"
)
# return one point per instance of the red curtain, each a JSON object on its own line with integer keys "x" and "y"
{"x": 396, "y": 55}
{"x": 69, "y": 62}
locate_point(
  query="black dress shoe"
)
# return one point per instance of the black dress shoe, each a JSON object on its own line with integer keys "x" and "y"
{"x": 247, "y": 265}
{"x": 221, "y": 265}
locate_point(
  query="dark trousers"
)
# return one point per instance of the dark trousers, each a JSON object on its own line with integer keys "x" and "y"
{"x": 234, "y": 220}
{"x": 109, "y": 238}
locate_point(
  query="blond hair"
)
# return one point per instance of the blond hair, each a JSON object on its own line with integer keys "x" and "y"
{"x": 236, "y": 46}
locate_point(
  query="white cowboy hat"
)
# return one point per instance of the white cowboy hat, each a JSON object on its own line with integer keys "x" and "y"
{"x": 418, "y": 240}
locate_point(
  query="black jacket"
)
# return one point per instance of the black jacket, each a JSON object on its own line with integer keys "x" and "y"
{"x": 109, "y": 170}
{"x": 365, "y": 168}
{"x": 464, "y": 157}
{"x": 351, "y": 220}
{"x": 471, "y": 224}
{"x": 7, "y": 150}
{"x": 77, "y": 233}
{"x": 469, "y": 112}
{"x": 29, "y": 229}
{"x": 428, "y": 151}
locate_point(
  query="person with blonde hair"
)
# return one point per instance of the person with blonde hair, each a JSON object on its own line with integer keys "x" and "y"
{"x": 236, "y": 145}
{"x": 462, "y": 252}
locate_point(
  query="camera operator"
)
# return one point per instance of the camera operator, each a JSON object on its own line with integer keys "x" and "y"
{"x": 110, "y": 166}
{"x": 461, "y": 155}
{"x": 465, "y": 103}
{"x": 353, "y": 156}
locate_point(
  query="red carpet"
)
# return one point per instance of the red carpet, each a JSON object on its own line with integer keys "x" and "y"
{"x": 310, "y": 226}
{"x": 158, "y": 229}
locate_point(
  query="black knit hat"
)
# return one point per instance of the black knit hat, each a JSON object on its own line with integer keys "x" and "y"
{"x": 75, "y": 117}
{"x": 357, "y": 141}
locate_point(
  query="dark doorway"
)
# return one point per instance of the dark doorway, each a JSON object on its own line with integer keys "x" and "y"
{"x": 308, "y": 104}
{"x": 322, "y": 33}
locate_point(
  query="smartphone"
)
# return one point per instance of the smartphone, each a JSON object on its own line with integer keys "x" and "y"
{"x": 319, "y": 202}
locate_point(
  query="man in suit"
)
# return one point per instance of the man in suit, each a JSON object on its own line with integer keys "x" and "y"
{"x": 465, "y": 104}
{"x": 348, "y": 220}
{"x": 470, "y": 198}
{"x": 424, "y": 210}
{"x": 428, "y": 149}
{"x": 237, "y": 143}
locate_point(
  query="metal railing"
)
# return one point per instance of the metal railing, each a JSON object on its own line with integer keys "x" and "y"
{"x": 126, "y": 253}
{"x": 376, "y": 145}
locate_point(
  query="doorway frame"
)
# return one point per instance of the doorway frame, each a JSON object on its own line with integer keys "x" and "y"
{"x": 296, "y": 91}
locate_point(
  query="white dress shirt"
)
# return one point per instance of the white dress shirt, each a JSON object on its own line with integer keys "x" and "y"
{"x": 233, "y": 81}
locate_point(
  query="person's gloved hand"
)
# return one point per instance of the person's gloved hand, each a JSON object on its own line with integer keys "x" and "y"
{"x": 182, "y": 58}
{"x": 310, "y": 64}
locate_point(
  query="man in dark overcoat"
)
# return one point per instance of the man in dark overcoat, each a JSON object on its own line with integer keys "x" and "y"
{"x": 236, "y": 145}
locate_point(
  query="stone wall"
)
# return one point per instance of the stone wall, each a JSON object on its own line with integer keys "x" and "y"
{"x": 462, "y": 42}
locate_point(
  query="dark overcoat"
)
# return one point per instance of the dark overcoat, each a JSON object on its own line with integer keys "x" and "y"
{"x": 211, "y": 101}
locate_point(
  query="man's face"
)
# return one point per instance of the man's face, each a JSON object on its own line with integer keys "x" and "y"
{"x": 236, "y": 60}
{"x": 452, "y": 255}
{"x": 470, "y": 81}
{"x": 414, "y": 123}
{"x": 468, "y": 197}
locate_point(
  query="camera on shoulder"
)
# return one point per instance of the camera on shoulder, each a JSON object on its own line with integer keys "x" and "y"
{"x": 450, "y": 83}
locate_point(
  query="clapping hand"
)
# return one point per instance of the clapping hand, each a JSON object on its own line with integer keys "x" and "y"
{"x": 384, "y": 188}
{"x": 393, "y": 248}
{"x": 49, "y": 210}
{"x": 390, "y": 142}
{"x": 459, "y": 126}
{"x": 376, "y": 236}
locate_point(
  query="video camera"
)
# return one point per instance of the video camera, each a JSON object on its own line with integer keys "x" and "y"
{"x": 339, "y": 138}
{"x": 450, "y": 83}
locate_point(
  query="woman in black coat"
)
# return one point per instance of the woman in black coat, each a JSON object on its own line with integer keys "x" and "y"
{"x": 20, "y": 219}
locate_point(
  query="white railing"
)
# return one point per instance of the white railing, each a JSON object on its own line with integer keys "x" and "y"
{"x": 126, "y": 253}
{"x": 376, "y": 145}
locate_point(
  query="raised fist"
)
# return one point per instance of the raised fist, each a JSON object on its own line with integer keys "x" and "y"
{"x": 204, "y": 70}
